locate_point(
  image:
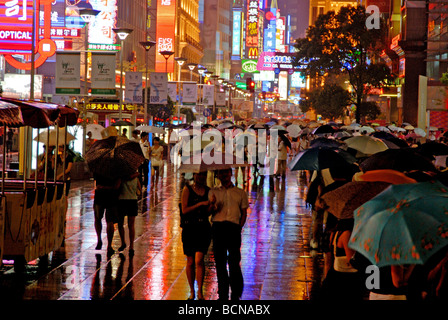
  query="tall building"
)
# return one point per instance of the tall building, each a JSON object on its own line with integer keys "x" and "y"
{"x": 318, "y": 7}
{"x": 216, "y": 35}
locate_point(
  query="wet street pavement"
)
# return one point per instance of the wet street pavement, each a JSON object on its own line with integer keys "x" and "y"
{"x": 277, "y": 263}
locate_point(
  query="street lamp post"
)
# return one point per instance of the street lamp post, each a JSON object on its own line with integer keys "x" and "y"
{"x": 147, "y": 45}
{"x": 180, "y": 61}
{"x": 122, "y": 33}
{"x": 166, "y": 55}
{"x": 201, "y": 71}
{"x": 191, "y": 66}
{"x": 88, "y": 15}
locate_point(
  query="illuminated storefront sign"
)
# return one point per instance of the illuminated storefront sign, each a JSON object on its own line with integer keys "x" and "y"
{"x": 252, "y": 27}
{"x": 166, "y": 14}
{"x": 100, "y": 30}
{"x": 110, "y": 107}
{"x": 270, "y": 61}
{"x": 249, "y": 65}
{"x": 270, "y": 31}
{"x": 280, "y": 35}
{"x": 236, "y": 34}
{"x": 252, "y": 53}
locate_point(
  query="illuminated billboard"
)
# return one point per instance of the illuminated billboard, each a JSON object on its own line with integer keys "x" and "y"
{"x": 236, "y": 34}
{"x": 100, "y": 31}
{"x": 252, "y": 26}
{"x": 271, "y": 31}
{"x": 16, "y": 26}
{"x": 166, "y": 16}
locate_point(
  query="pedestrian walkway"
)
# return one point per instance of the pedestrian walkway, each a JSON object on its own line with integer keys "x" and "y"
{"x": 277, "y": 263}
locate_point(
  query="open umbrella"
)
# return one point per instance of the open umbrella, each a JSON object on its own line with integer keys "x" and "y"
{"x": 321, "y": 158}
{"x": 150, "y": 129}
{"x": 95, "y": 129}
{"x": 344, "y": 200}
{"x": 123, "y": 123}
{"x": 43, "y": 136}
{"x": 433, "y": 148}
{"x": 404, "y": 224}
{"x": 324, "y": 129}
{"x": 382, "y": 129}
{"x": 294, "y": 130}
{"x": 420, "y": 132}
{"x": 367, "y": 129}
{"x": 325, "y": 142}
{"x": 366, "y": 144}
{"x": 403, "y": 160}
{"x": 114, "y": 157}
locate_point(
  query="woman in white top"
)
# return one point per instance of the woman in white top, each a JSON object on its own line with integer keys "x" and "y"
{"x": 156, "y": 153}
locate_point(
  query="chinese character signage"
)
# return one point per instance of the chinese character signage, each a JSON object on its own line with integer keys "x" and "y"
{"x": 103, "y": 74}
{"x": 236, "y": 34}
{"x": 68, "y": 72}
{"x": 166, "y": 14}
{"x": 252, "y": 24}
{"x": 270, "y": 31}
{"x": 100, "y": 31}
{"x": 16, "y": 26}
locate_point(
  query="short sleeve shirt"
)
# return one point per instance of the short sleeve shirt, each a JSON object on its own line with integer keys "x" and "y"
{"x": 233, "y": 201}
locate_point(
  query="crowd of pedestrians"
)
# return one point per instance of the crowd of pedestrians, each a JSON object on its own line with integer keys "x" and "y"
{"x": 213, "y": 209}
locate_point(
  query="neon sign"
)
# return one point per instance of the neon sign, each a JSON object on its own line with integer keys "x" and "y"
{"x": 166, "y": 13}
{"x": 252, "y": 25}
{"x": 16, "y": 28}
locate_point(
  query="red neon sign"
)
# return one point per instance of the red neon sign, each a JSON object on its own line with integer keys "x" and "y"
{"x": 166, "y": 14}
{"x": 16, "y": 28}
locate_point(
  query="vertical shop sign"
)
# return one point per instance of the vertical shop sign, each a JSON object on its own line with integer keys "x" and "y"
{"x": 166, "y": 14}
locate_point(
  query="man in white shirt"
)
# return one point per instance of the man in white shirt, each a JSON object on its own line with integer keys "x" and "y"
{"x": 144, "y": 168}
{"x": 229, "y": 211}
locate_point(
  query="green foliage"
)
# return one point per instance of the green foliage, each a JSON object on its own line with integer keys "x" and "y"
{"x": 369, "y": 110}
{"x": 189, "y": 113}
{"x": 329, "y": 101}
{"x": 341, "y": 43}
{"x": 444, "y": 79}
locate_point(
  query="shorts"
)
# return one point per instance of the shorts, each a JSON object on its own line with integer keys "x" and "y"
{"x": 127, "y": 207}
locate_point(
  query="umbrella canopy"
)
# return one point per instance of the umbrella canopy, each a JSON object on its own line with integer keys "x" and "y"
{"x": 344, "y": 200}
{"x": 324, "y": 142}
{"x": 53, "y": 136}
{"x": 278, "y": 127}
{"x": 433, "y": 148}
{"x": 200, "y": 162}
{"x": 123, "y": 123}
{"x": 224, "y": 125}
{"x": 293, "y": 130}
{"x": 321, "y": 158}
{"x": 150, "y": 129}
{"x": 403, "y": 160}
{"x": 384, "y": 175}
{"x": 114, "y": 157}
{"x": 37, "y": 114}
{"x": 382, "y": 129}
{"x": 324, "y": 129}
{"x": 366, "y": 144}
{"x": 404, "y": 224}
{"x": 285, "y": 140}
{"x": 10, "y": 115}
{"x": 68, "y": 117}
{"x": 342, "y": 134}
{"x": 95, "y": 129}
{"x": 420, "y": 132}
{"x": 367, "y": 129}
{"x": 409, "y": 127}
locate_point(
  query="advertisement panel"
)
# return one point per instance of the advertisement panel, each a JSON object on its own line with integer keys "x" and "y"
{"x": 166, "y": 14}
{"x": 68, "y": 73}
{"x": 252, "y": 26}
{"x": 208, "y": 94}
{"x": 103, "y": 74}
{"x": 270, "y": 31}
{"x": 16, "y": 26}
{"x": 134, "y": 87}
{"x": 189, "y": 93}
{"x": 17, "y": 86}
{"x": 100, "y": 30}
{"x": 236, "y": 34}
{"x": 159, "y": 88}
{"x": 270, "y": 61}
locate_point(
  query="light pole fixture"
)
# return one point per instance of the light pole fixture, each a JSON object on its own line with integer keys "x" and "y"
{"x": 191, "y": 66}
{"x": 122, "y": 34}
{"x": 201, "y": 71}
{"x": 147, "y": 45}
{"x": 180, "y": 61}
{"x": 88, "y": 15}
{"x": 166, "y": 54}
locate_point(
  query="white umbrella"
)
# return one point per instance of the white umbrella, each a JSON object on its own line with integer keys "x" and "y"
{"x": 420, "y": 132}
{"x": 150, "y": 129}
{"x": 409, "y": 127}
{"x": 294, "y": 130}
{"x": 95, "y": 129}
{"x": 382, "y": 128}
{"x": 367, "y": 129}
{"x": 42, "y": 137}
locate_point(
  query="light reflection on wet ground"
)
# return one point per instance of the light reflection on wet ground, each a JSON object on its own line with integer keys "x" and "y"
{"x": 276, "y": 258}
